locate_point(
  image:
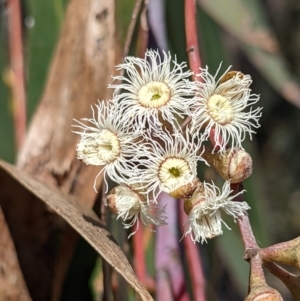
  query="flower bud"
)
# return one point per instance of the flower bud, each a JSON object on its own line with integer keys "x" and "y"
{"x": 110, "y": 201}
{"x": 129, "y": 203}
{"x": 263, "y": 292}
{"x": 185, "y": 191}
{"x": 234, "y": 165}
{"x": 123, "y": 198}
{"x": 229, "y": 75}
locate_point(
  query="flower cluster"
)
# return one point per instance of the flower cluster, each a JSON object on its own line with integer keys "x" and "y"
{"x": 143, "y": 143}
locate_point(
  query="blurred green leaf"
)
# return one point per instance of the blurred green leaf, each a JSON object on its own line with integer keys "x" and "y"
{"x": 255, "y": 196}
{"x": 123, "y": 12}
{"x": 248, "y": 24}
{"x": 240, "y": 22}
{"x": 41, "y": 41}
{"x": 7, "y": 148}
{"x": 210, "y": 43}
{"x": 175, "y": 28}
{"x": 231, "y": 250}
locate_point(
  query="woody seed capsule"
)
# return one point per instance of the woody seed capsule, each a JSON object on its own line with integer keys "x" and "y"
{"x": 234, "y": 165}
{"x": 263, "y": 292}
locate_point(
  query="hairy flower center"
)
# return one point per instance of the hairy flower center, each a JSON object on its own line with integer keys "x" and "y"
{"x": 220, "y": 109}
{"x": 173, "y": 173}
{"x": 154, "y": 95}
{"x": 108, "y": 146}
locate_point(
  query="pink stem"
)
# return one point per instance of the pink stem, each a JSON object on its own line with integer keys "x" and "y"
{"x": 243, "y": 222}
{"x": 191, "y": 35}
{"x": 193, "y": 260}
{"x": 191, "y": 42}
{"x": 246, "y": 233}
{"x": 17, "y": 66}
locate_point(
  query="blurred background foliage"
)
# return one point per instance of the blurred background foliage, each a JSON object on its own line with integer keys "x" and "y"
{"x": 258, "y": 37}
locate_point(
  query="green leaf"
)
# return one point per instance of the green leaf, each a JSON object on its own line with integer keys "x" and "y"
{"x": 40, "y": 44}
{"x": 248, "y": 24}
{"x": 7, "y": 148}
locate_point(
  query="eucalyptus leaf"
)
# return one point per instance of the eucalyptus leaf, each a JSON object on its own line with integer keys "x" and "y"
{"x": 83, "y": 220}
{"x": 258, "y": 42}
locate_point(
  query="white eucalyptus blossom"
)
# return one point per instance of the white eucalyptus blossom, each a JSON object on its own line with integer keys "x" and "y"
{"x": 225, "y": 105}
{"x": 204, "y": 210}
{"x": 171, "y": 162}
{"x": 129, "y": 204}
{"x": 154, "y": 88}
{"x": 108, "y": 141}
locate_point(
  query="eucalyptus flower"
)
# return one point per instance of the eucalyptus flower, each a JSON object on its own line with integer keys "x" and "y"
{"x": 153, "y": 89}
{"x": 129, "y": 204}
{"x": 204, "y": 210}
{"x": 225, "y": 105}
{"x": 171, "y": 162}
{"x": 109, "y": 142}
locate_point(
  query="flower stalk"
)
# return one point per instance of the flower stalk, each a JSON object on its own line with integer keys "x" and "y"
{"x": 258, "y": 288}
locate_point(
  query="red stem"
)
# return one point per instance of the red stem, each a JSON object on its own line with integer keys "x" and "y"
{"x": 192, "y": 48}
{"x": 279, "y": 272}
{"x": 139, "y": 254}
{"x": 246, "y": 233}
{"x": 191, "y": 35}
{"x": 17, "y": 66}
{"x": 193, "y": 260}
{"x": 192, "y": 253}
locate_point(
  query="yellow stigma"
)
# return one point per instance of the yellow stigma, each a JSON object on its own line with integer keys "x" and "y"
{"x": 173, "y": 173}
{"x": 108, "y": 146}
{"x": 220, "y": 109}
{"x": 154, "y": 95}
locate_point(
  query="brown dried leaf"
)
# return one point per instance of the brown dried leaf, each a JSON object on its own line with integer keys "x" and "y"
{"x": 80, "y": 72}
{"x": 82, "y": 219}
{"x": 12, "y": 285}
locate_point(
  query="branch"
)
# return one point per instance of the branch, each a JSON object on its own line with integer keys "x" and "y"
{"x": 135, "y": 13}
{"x": 248, "y": 238}
{"x": 191, "y": 36}
{"x": 291, "y": 281}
